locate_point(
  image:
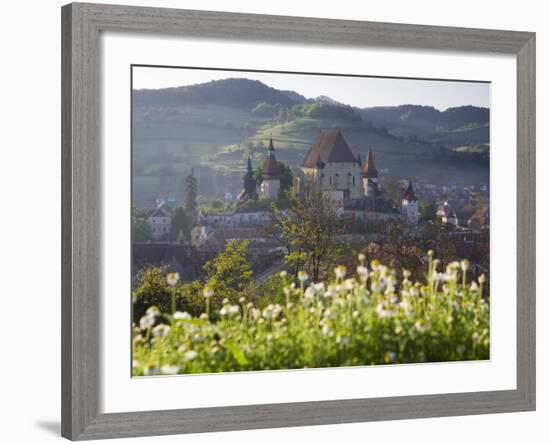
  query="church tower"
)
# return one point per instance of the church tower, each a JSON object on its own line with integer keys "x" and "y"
{"x": 249, "y": 184}
{"x": 409, "y": 205}
{"x": 369, "y": 173}
{"x": 271, "y": 174}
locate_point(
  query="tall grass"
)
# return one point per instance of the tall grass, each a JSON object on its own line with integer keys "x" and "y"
{"x": 363, "y": 320}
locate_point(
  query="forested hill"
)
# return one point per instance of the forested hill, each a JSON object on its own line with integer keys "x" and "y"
{"x": 236, "y": 93}
{"x": 464, "y": 124}
{"x": 215, "y": 126}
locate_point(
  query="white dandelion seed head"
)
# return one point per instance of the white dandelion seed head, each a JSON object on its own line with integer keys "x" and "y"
{"x": 172, "y": 279}
{"x": 146, "y": 322}
{"x": 168, "y": 369}
{"x": 189, "y": 355}
{"x": 309, "y": 294}
{"x": 181, "y": 315}
{"x": 161, "y": 330}
{"x": 340, "y": 271}
{"x": 153, "y": 311}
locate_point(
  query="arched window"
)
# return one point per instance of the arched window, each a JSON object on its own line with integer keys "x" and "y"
{"x": 353, "y": 180}
{"x": 330, "y": 180}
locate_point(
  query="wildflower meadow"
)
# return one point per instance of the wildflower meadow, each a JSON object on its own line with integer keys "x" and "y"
{"x": 367, "y": 316}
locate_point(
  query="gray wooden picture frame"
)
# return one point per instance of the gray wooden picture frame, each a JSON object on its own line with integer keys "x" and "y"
{"x": 81, "y": 171}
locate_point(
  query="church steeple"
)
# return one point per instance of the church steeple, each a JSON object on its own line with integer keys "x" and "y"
{"x": 409, "y": 205}
{"x": 409, "y": 193}
{"x": 271, "y": 167}
{"x": 271, "y": 174}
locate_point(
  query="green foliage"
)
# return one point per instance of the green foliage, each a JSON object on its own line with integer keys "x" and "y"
{"x": 181, "y": 225}
{"x": 141, "y": 230}
{"x": 191, "y": 194}
{"x": 153, "y": 290}
{"x": 287, "y": 176}
{"x": 324, "y": 110}
{"x": 269, "y": 292}
{"x": 253, "y": 205}
{"x": 264, "y": 109}
{"x": 216, "y": 206}
{"x": 310, "y": 232}
{"x": 428, "y": 211}
{"x": 361, "y": 320}
{"x": 229, "y": 273}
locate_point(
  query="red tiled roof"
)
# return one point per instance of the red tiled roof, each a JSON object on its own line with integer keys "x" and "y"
{"x": 330, "y": 146}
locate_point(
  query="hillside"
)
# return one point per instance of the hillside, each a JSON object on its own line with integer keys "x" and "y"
{"x": 215, "y": 126}
{"x": 455, "y": 126}
{"x": 235, "y": 93}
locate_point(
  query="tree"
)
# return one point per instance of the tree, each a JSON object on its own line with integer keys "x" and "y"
{"x": 229, "y": 273}
{"x": 402, "y": 248}
{"x": 141, "y": 230}
{"x": 428, "y": 211}
{"x": 309, "y": 229}
{"x": 181, "y": 225}
{"x": 191, "y": 192}
{"x": 152, "y": 289}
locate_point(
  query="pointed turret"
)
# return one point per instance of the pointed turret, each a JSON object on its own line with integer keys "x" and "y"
{"x": 271, "y": 167}
{"x": 249, "y": 165}
{"x": 409, "y": 193}
{"x": 369, "y": 171}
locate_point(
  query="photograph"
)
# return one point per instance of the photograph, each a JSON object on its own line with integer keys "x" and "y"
{"x": 285, "y": 221}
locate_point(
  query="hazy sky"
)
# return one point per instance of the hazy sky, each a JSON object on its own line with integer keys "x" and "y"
{"x": 355, "y": 91}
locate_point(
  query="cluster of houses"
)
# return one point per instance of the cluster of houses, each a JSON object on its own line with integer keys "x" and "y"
{"x": 331, "y": 166}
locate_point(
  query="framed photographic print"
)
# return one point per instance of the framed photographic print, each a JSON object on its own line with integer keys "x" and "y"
{"x": 278, "y": 221}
